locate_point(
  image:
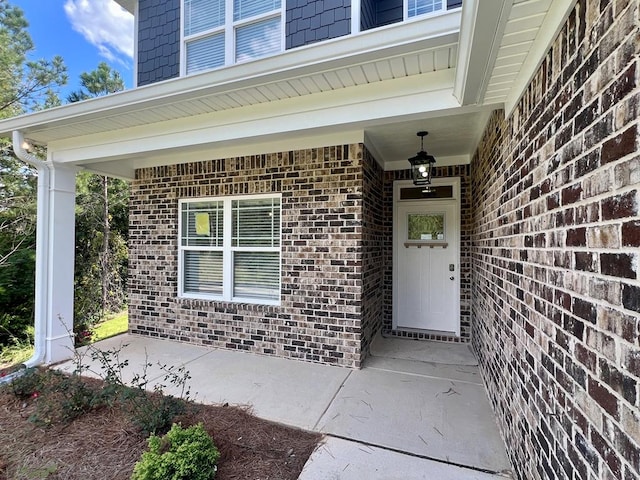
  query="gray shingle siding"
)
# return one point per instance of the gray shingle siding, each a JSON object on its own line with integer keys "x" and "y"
{"x": 158, "y": 40}
{"x": 310, "y": 21}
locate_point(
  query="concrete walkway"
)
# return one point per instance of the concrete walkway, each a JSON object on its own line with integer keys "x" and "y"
{"x": 403, "y": 416}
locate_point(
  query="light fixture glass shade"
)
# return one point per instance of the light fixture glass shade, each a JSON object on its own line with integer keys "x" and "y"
{"x": 422, "y": 165}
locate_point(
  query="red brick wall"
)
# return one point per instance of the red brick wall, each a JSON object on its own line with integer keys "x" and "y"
{"x": 556, "y": 290}
{"x": 321, "y": 314}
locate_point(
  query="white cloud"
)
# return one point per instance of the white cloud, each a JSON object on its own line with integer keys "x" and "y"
{"x": 104, "y": 24}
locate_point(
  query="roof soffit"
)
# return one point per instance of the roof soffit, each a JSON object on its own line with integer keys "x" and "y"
{"x": 128, "y": 5}
{"x": 390, "y": 52}
{"x": 481, "y": 33}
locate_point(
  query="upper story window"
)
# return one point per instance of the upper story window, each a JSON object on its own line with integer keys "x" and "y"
{"x": 224, "y": 32}
{"x": 422, "y": 7}
{"x": 230, "y": 249}
{"x": 377, "y": 13}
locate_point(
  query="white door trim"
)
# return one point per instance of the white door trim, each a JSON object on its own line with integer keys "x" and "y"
{"x": 397, "y": 240}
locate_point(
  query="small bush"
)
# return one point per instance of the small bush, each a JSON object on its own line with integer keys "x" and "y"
{"x": 151, "y": 412}
{"x": 28, "y": 384}
{"x": 182, "y": 454}
{"x": 58, "y": 397}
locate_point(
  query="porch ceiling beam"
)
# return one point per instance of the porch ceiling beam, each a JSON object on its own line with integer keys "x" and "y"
{"x": 481, "y": 34}
{"x": 349, "y": 109}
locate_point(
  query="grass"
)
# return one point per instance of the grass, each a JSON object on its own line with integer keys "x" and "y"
{"x": 113, "y": 325}
{"x": 15, "y": 354}
{"x": 19, "y": 352}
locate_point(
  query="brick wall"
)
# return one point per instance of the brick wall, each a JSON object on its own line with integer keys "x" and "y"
{"x": 158, "y": 40}
{"x": 463, "y": 172}
{"x": 310, "y": 21}
{"x": 556, "y": 293}
{"x": 373, "y": 258}
{"x": 321, "y": 314}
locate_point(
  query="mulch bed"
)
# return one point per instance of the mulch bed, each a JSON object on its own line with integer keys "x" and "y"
{"x": 103, "y": 444}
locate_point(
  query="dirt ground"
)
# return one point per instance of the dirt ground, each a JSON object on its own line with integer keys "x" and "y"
{"x": 103, "y": 444}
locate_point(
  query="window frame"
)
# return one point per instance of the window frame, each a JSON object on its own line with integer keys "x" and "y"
{"x": 228, "y": 29}
{"x": 228, "y": 251}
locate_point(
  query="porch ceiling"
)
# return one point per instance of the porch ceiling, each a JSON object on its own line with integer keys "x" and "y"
{"x": 405, "y": 82}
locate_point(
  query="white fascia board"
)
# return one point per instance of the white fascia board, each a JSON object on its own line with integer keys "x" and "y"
{"x": 125, "y": 167}
{"x": 481, "y": 33}
{"x": 123, "y": 170}
{"x": 319, "y": 57}
{"x": 301, "y": 140}
{"x": 554, "y": 20}
{"x": 348, "y": 107}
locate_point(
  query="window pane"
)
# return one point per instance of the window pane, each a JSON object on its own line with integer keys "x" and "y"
{"x": 202, "y": 272}
{"x": 251, "y": 8}
{"x": 202, "y": 224}
{"x": 420, "y": 7}
{"x": 256, "y": 275}
{"x": 256, "y": 223}
{"x": 201, "y": 15}
{"x": 425, "y": 227}
{"x": 258, "y": 39}
{"x": 205, "y": 53}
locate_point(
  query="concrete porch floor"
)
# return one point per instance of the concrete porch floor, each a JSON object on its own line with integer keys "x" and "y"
{"x": 408, "y": 414}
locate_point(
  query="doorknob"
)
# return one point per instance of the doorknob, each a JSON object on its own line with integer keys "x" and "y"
{"x": 451, "y": 278}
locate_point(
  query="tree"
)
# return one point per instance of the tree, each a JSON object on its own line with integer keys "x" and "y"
{"x": 102, "y": 206}
{"x": 101, "y": 81}
{"x": 25, "y": 85}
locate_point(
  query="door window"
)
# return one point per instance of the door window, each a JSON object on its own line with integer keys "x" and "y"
{"x": 425, "y": 226}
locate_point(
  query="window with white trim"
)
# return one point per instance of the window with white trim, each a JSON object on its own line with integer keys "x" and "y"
{"x": 224, "y": 32}
{"x": 422, "y": 7}
{"x": 229, "y": 249}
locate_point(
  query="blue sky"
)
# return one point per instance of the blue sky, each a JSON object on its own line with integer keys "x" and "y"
{"x": 84, "y": 33}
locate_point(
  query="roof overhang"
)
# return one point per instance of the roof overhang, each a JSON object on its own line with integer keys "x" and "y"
{"x": 502, "y": 44}
{"x": 333, "y": 87}
{"x": 379, "y": 87}
{"x": 128, "y": 5}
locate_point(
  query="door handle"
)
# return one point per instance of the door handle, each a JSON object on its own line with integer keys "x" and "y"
{"x": 451, "y": 278}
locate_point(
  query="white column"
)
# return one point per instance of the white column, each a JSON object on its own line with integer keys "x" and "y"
{"x": 58, "y": 311}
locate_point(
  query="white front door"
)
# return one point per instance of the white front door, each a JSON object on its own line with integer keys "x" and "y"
{"x": 426, "y": 277}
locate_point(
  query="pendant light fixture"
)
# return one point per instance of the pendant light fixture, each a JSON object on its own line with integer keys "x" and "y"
{"x": 422, "y": 164}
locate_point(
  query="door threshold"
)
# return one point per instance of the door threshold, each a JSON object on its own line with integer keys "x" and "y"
{"x": 419, "y": 334}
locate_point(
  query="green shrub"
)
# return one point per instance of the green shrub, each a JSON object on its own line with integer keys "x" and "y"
{"x": 58, "y": 397}
{"x": 151, "y": 412}
{"x": 28, "y": 384}
{"x": 181, "y": 454}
